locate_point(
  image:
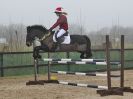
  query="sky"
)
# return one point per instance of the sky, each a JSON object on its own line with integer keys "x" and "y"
{"x": 91, "y": 14}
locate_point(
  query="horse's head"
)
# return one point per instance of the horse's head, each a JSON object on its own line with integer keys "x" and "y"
{"x": 35, "y": 31}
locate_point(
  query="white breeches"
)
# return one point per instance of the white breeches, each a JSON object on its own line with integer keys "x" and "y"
{"x": 61, "y": 32}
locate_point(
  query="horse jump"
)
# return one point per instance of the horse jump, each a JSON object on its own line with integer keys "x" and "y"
{"x": 82, "y": 61}
{"x": 108, "y": 90}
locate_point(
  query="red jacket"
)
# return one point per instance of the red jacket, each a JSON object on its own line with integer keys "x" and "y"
{"x": 61, "y": 22}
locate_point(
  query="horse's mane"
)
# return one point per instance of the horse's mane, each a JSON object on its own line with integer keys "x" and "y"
{"x": 40, "y": 27}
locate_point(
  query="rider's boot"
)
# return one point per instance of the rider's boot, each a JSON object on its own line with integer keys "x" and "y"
{"x": 55, "y": 46}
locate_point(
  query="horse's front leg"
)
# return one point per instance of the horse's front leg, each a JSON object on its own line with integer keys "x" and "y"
{"x": 36, "y": 52}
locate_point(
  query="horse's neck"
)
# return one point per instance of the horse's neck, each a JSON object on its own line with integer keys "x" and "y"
{"x": 48, "y": 40}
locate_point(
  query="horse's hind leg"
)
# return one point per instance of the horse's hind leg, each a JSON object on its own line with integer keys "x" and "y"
{"x": 88, "y": 54}
{"x": 82, "y": 55}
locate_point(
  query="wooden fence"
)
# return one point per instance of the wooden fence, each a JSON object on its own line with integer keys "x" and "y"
{"x": 3, "y": 67}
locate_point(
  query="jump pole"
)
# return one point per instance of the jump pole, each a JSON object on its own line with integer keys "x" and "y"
{"x": 83, "y": 74}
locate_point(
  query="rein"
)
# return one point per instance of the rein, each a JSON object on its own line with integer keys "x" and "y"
{"x": 45, "y": 36}
{"x": 37, "y": 41}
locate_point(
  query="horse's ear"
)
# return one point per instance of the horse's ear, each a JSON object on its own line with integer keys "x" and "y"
{"x": 28, "y": 29}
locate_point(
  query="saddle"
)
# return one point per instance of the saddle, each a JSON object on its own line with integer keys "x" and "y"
{"x": 61, "y": 38}
{"x": 64, "y": 39}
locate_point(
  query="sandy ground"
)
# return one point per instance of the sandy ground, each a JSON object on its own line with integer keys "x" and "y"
{"x": 15, "y": 88}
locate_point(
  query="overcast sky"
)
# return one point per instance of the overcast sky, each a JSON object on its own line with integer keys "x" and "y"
{"x": 92, "y": 14}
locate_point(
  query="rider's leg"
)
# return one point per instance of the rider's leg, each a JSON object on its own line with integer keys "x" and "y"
{"x": 58, "y": 39}
{"x": 60, "y": 33}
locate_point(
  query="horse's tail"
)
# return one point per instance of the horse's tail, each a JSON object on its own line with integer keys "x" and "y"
{"x": 88, "y": 49}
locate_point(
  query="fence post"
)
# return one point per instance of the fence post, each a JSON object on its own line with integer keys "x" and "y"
{"x": 108, "y": 62}
{"x": 122, "y": 62}
{"x": 49, "y": 71}
{"x": 37, "y": 66}
{"x": 1, "y": 65}
{"x": 35, "y": 69}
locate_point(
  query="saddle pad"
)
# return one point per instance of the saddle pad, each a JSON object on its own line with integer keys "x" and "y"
{"x": 66, "y": 41}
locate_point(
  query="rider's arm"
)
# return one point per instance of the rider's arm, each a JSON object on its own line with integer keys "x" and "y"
{"x": 59, "y": 21}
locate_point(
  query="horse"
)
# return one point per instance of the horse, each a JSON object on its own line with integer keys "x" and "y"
{"x": 79, "y": 43}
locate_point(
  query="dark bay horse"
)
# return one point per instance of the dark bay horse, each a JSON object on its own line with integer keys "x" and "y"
{"x": 79, "y": 43}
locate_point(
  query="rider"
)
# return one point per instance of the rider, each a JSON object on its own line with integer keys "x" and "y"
{"x": 62, "y": 23}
